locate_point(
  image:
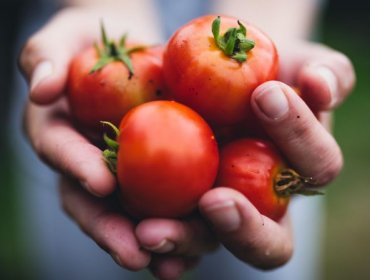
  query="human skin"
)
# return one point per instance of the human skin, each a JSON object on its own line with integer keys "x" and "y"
{"x": 325, "y": 76}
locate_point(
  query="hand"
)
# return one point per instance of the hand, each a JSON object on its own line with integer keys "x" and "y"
{"x": 44, "y": 62}
{"x": 46, "y": 55}
{"x": 56, "y": 141}
{"x": 102, "y": 220}
{"x": 325, "y": 77}
{"x": 88, "y": 200}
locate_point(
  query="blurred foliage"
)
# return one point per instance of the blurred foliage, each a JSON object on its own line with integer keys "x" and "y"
{"x": 346, "y": 28}
{"x": 11, "y": 254}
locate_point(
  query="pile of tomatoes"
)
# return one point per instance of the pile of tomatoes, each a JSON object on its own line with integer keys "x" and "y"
{"x": 184, "y": 116}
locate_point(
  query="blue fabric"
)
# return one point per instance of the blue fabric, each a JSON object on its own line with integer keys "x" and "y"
{"x": 176, "y": 13}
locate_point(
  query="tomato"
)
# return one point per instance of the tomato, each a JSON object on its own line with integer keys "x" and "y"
{"x": 214, "y": 82}
{"x": 252, "y": 128}
{"x": 109, "y": 92}
{"x": 253, "y": 167}
{"x": 167, "y": 159}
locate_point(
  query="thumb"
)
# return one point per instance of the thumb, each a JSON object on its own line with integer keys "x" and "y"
{"x": 45, "y": 57}
{"x": 250, "y": 236}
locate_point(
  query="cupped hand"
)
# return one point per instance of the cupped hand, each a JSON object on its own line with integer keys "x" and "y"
{"x": 325, "y": 78}
{"x": 44, "y": 61}
{"x": 45, "y": 57}
{"x": 299, "y": 124}
{"x": 88, "y": 185}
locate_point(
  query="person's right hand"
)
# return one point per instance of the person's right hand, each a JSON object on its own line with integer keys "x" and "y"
{"x": 325, "y": 77}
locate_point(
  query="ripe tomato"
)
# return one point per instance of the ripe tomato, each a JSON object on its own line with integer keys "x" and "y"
{"x": 202, "y": 71}
{"x": 167, "y": 159}
{"x": 255, "y": 168}
{"x": 104, "y": 84}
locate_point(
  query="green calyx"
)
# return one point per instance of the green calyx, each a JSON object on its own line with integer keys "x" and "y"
{"x": 111, "y": 51}
{"x": 289, "y": 182}
{"x": 110, "y": 154}
{"x": 234, "y": 43}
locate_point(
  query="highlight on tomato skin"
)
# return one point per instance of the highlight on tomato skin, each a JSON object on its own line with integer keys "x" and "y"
{"x": 250, "y": 166}
{"x": 200, "y": 75}
{"x": 167, "y": 159}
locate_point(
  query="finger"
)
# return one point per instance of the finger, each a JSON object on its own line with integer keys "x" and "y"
{"x": 60, "y": 145}
{"x": 171, "y": 267}
{"x": 45, "y": 57}
{"x": 324, "y": 76}
{"x": 179, "y": 237}
{"x": 250, "y": 236}
{"x": 110, "y": 230}
{"x": 307, "y": 145}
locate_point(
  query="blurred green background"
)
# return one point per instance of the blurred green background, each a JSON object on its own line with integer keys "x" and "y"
{"x": 345, "y": 27}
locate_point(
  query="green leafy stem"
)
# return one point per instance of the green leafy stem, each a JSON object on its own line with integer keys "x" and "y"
{"x": 234, "y": 43}
{"x": 110, "y": 154}
{"x": 111, "y": 51}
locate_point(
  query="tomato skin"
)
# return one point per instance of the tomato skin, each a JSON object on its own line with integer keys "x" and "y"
{"x": 201, "y": 76}
{"x": 108, "y": 94}
{"x": 167, "y": 159}
{"x": 250, "y": 166}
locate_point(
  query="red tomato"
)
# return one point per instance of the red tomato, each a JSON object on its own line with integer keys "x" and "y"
{"x": 252, "y": 167}
{"x": 108, "y": 93}
{"x": 218, "y": 86}
{"x": 167, "y": 159}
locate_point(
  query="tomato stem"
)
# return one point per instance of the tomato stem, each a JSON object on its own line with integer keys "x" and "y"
{"x": 289, "y": 182}
{"x": 234, "y": 43}
{"x": 111, "y": 51}
{"x": 110, "y": 154}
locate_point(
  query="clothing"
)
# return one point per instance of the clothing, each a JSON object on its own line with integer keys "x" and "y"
{"x": 60, "y": 250}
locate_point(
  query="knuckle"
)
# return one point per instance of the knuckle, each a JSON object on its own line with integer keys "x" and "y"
{"x": 342, "y": 62}
{"x": 97, "y": 229}
{"x": 104, "y": 231}
{"x": 30, "y": 55}
{"x": 328, "y": 155}
{"x": 269, "y": 258}
{"x": 300, "y": 131}
{"x": 63, "y": 198}
{"x": 284, "y": 256}
{"x": 331, "y": 166}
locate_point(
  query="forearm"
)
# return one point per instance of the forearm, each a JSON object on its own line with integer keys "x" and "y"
{"x": 281, "y": 19}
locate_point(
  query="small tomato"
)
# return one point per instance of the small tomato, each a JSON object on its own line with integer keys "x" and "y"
{"x": 167, "y": 159}
{"x": 105, "y": 83}
{"x": 256, "y": 169}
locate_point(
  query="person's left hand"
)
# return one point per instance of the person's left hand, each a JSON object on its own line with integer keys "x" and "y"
{"x": 325, "y": 77}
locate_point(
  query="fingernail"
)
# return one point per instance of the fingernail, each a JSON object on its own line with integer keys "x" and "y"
{"x": 224, "y": 216}
{"x": 330, "y": 79}
{"x": 42, "y": 71}
{"x": 87, "y": 187}
{"x": 164, "y": 246}
{"x": 117, "y": 259}
{"x": 272, "y": 102}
